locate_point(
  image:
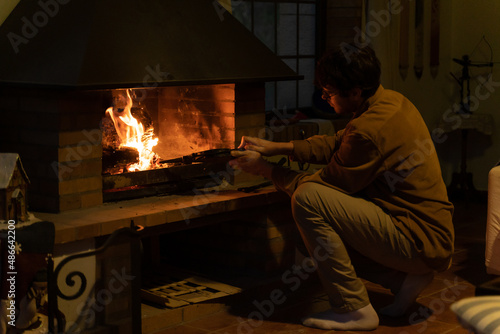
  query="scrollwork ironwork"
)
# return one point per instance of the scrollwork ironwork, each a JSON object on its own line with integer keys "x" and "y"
{"x": 70, "y": 281}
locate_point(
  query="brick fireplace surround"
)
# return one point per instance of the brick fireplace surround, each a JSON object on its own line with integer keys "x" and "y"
{"x": 54, "y": 92}
{"x": 58, "y": 137}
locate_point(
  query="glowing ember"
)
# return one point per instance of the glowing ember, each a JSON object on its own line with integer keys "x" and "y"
{"x": 132, "y": 134}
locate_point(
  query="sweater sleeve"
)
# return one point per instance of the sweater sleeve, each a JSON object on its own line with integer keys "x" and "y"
{"x": 354, "y": 165}
{"x": 316, "y": 149}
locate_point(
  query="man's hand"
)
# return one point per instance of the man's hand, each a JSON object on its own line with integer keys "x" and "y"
{"x": 265, "y": 147}
{"x": 251, "y": 162}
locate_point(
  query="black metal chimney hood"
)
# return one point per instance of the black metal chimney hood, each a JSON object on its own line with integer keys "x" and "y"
{"x": 98, "y": 44}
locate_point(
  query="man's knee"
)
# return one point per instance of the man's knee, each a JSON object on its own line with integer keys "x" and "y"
{"x": 316, "y": 200}
{"x": 304, "y": 196}
{"x": 307, "y": 202}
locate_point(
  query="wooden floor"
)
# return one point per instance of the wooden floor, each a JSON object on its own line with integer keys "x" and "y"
{"x": 254, "y": 312}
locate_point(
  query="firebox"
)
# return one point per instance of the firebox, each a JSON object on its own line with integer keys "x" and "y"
{"x": 175, "y": 139}
{"x": 75, "y": 157}
{"x": 193, "y": 78}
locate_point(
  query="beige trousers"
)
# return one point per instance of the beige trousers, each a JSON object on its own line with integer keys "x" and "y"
{"x": 342, "y": 234}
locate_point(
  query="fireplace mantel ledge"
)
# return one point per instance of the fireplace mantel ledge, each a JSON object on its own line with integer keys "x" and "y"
{"x": 170, "y": 213}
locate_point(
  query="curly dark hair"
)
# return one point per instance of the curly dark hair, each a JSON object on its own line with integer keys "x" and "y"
{"x": 348, "y": 67}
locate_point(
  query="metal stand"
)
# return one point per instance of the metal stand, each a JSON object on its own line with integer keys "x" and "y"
{"x": 461, "y": 183}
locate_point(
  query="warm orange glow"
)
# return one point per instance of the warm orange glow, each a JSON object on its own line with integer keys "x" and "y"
{"x": 132, "y": 134}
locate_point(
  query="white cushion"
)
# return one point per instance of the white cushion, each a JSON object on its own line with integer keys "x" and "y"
{"x": 493, "y": 223}
{"x": 479, "y": 314}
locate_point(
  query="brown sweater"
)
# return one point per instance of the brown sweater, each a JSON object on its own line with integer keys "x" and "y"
{"x": 385, "y": 154}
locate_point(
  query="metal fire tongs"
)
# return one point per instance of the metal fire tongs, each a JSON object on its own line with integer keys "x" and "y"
{"x": 220, "y": 154}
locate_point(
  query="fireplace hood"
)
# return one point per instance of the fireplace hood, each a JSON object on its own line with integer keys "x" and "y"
{"x": 98, "y": 44}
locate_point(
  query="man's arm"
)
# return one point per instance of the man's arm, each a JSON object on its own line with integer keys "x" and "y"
{"x": 265, "y": 147}
{"x": 353, "y": 166}
{"x": 316, "y": 149}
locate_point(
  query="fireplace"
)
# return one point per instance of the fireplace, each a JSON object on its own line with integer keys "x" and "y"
{"x": 61, "y": 136}
{"x": 199, "y": 75}
{"x": 193, "y": 129}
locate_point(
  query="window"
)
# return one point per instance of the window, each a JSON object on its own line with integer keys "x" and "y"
{"x": 288, "y": 28}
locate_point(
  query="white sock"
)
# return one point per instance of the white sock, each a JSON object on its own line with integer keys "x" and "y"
{"x": 359, "y": 320}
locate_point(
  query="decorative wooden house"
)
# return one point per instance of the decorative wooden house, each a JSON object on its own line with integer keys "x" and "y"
{"x": 13, "y": 188}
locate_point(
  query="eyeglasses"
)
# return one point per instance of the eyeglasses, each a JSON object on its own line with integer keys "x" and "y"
{"x": 327, "y": 95}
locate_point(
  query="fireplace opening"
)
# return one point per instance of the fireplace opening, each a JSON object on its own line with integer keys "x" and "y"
{"x": 141, "y": 135}
{"x": 177, "y": 59}
{"x": 174, "y": 139}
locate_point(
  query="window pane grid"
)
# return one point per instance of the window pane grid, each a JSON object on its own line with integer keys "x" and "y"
{"x": 288, "y": 29}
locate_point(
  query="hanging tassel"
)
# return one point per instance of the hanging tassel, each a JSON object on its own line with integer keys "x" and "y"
{"x": 434, "y": 52}
{"x": 404, "y": 33}
{"x": 419, "y": 38}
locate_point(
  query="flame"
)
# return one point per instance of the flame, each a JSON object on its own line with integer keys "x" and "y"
{"x": 132, "y": 134}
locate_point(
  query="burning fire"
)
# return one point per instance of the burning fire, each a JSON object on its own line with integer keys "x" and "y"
{"x": 132, "y": 134}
